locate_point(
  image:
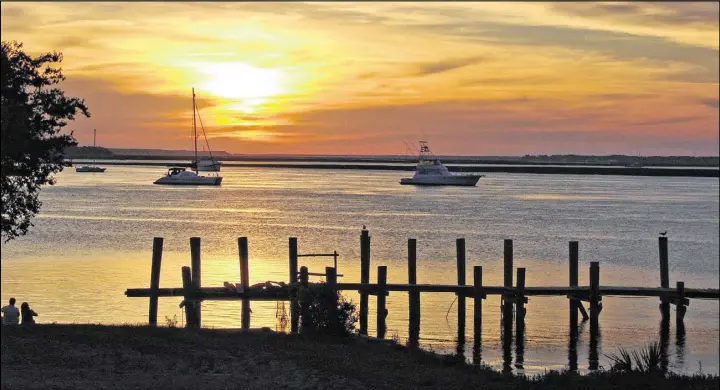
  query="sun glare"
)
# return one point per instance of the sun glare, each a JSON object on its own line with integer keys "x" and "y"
{"x": 244, "y": 82}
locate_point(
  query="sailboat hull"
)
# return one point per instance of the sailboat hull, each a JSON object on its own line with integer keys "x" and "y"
{"x": 90, "y": 169}
{"x": 196, "y": 181}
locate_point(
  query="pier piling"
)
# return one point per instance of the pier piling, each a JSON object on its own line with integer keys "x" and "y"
{"x": 293, "y": 278}
{"x": 196, "y": 272}
{"x": 155, "y": 279}
{"x": 364, "y": 278}
{"x": 413, "y": 295}
{"x": 381, "y": 309}
{"x": 244, "y": 280}
{"x": 460, "y": 253}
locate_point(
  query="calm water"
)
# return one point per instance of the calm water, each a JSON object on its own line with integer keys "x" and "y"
{"x": 93, "y": 239}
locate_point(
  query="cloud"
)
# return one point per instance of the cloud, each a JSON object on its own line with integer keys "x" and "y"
{"x": 712, "y": 103}
{"x": 431, "y": 68}
{"x": 684, "y": 13}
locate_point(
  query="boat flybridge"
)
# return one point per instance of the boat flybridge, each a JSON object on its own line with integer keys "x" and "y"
{"x": 431, "y": 172}
{"x": 93, "y": 167}
{"x": 181, "y": 176}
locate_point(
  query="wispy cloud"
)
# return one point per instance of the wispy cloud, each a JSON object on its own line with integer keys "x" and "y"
{"x": 482, "y": 78}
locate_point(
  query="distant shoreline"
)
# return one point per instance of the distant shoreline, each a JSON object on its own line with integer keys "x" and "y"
{"x": 517, "y": 167}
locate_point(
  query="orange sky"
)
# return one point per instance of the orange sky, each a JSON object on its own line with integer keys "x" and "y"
{"x": 359, "y": 78}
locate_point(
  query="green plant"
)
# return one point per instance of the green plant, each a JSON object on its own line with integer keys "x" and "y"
{"x": 171, "y": 322}
{"x": 328, "y": 312}
{"x": 646, "y": 360}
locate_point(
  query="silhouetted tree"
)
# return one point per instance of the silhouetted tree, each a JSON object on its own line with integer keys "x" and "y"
{"x": 34, "y": 112}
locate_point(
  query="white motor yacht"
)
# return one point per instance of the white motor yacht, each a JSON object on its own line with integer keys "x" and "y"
{"x": 431, "y": 172}
{"x": 179, "y": 176}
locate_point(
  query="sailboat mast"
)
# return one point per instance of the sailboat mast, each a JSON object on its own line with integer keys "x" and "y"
{"x": 194, "y": 129}
{"x": 94, "y": 145}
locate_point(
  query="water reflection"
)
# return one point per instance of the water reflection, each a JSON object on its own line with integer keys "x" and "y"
{"x": 572, "y": 343}
{"x": 664, "y": 335}
{"x": 520, "y": 338}
{"x": 593, "y": 356}
{"x": 680, "y": 344}
{"x": 506, "y": 337}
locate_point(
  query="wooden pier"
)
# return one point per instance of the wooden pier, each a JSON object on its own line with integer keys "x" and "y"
{"x": 514, "y": 298}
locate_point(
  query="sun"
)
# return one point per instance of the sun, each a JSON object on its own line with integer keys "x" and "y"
{"x": 242, "y": 81}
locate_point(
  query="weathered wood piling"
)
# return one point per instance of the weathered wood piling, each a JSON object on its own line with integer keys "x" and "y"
{"x": 512, "y": 297}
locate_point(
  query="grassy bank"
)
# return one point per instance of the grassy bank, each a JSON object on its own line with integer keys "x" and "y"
{"x": 115, "y": 357}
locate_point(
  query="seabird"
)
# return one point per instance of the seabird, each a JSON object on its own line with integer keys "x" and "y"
{"x": 663, "y": 233}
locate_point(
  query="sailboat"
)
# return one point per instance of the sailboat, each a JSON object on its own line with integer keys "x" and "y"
{"x": 91, "y": 168}
{"x": 181, "y": 176}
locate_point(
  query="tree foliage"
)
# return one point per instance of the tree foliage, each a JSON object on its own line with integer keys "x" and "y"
{"x": 34, "y": 111}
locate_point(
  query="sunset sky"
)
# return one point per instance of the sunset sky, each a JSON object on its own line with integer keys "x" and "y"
{"x": 359, "y": 78}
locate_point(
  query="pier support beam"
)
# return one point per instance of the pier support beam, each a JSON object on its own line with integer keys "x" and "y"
{"x": 381, "y": 309}
{"x": 244, "y": 280}
{"x": 155, "y": 279}
{"x": 196, "y": 272}
{"x": 507, "y": 307}
{"x": 478, "y": 296}
{"x": 664, "y": 270}
{"x": 192, "y": 322}
{"x": 364, "y": 278}
{"x": 460, "y": 251}
{"x": 293, "y": 261}
{"x": 413, "y": 296}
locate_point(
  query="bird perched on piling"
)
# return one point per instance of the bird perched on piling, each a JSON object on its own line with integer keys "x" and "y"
{"x": 663, "y": 233}
{"x": 364, "y": 227}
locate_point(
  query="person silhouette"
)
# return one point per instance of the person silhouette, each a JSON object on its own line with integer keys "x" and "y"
{"x": 28, "y": 314}
{"x": 11, "y": 313}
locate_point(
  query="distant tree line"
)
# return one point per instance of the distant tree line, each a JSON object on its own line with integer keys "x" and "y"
{"x": 619, "y": 159}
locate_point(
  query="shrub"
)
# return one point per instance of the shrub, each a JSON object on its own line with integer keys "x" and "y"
{"x": 328, "y": 312}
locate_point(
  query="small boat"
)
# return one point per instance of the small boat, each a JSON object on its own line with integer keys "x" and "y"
{"x": 431, "y": 172}
{"x": 90, "y": 168}
{"x": 180, "y": 176}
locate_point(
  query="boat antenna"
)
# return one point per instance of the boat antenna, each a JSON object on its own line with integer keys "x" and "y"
{"x": 409, "y": 147}
{"x": 203, "y": 130}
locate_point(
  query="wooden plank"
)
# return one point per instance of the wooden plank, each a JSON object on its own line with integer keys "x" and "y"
{"x": 695, "y": 293}
{"x": 318, "y": 255}
{"x": 196, "y": 272}
{"x": 381, "y": 309}
{"x": 155, "y": 279}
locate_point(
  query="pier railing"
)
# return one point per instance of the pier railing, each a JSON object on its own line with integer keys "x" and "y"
{"x": 513, "y": 297}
